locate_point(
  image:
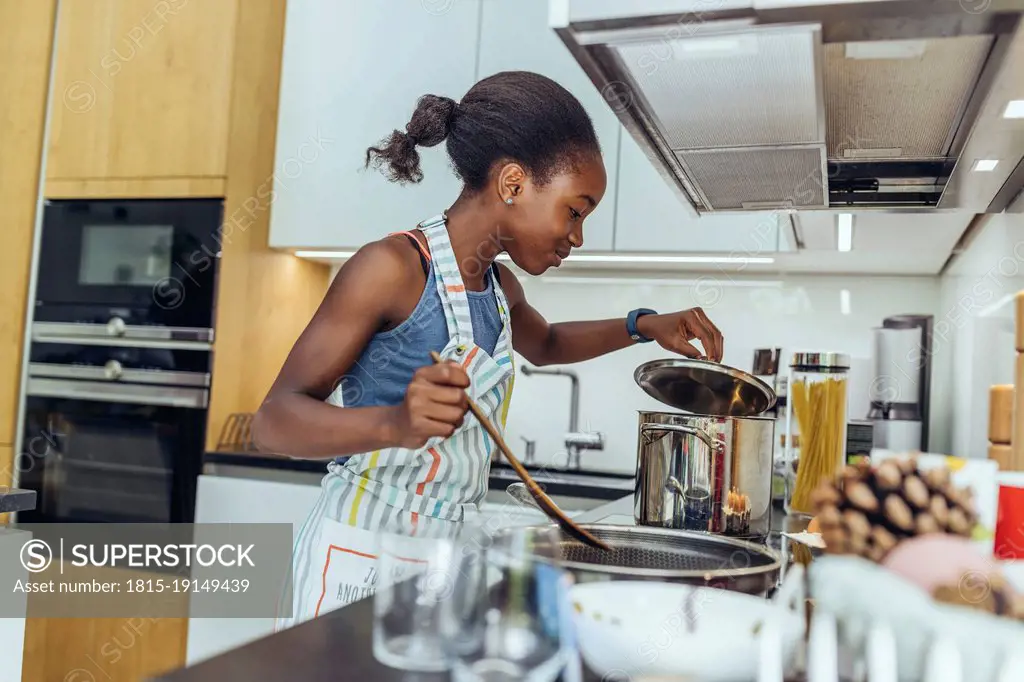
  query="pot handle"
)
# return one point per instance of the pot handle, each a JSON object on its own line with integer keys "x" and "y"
{"x": 691, "y": 430}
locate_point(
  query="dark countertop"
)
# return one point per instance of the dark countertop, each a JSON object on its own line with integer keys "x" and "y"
{"x": 337, "y": 646}
{"x": 598, "y": 485}
{"x": 16, "y": 500}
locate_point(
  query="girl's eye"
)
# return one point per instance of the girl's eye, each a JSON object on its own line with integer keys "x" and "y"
{"x": 575, "y": 214}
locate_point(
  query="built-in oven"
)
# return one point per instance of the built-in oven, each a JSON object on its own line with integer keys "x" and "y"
{"x": 114, "y": 433}
{"x": 119, "y": 365}
{"x": 124, "y": 266}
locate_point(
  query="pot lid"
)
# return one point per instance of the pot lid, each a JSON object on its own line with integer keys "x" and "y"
{"x": 704, "y": 387}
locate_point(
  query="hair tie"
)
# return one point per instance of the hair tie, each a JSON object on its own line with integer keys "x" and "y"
{"x": 412, "y": 139}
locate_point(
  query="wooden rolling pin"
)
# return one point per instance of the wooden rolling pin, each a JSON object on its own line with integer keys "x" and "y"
{"x": 1000, "y": 414}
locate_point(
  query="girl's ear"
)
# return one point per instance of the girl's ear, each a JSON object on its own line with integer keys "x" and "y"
{"x": 511, "y": 181}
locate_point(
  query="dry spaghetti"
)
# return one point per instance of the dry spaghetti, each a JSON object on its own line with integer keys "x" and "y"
{"x": 820, "y": 409}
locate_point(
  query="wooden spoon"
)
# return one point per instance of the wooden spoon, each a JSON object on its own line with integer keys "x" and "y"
{"x": 543, "y": 501}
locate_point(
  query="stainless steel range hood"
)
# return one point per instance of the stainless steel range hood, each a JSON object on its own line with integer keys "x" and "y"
{"x": 753, "y": 105}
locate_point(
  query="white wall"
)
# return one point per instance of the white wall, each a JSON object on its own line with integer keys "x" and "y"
{"x": 788, "y": 311}
{"x": 791, "y": 312}
{"x": 976, "y": 314}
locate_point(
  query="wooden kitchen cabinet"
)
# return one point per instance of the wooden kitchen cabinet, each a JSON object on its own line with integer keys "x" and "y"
{"x": 351, "y": 74}
{"x": 26, "y": 41}
{"x": 141, "y": 91}
{"x": 521, "y": 39}
{"x": 650, "y": 217}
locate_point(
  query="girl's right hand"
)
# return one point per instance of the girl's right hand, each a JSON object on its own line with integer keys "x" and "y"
{"x": 435, "y": 405}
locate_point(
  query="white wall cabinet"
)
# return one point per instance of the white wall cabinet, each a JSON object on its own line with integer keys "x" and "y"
{"x": 649, "y": 216}
{"x": 351, "y": 73}
{"x": 517, "y": 37}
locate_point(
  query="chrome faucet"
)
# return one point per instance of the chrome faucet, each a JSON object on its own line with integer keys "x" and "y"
{"x": 531, "y": 449}
{"x": 575, "y": 441}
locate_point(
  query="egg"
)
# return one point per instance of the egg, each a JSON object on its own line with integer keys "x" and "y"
{"x": 934, "y": 560}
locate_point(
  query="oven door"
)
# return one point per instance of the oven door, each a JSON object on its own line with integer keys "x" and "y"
{"x": 113, "y": 434}
{"x": 148, "y": 261}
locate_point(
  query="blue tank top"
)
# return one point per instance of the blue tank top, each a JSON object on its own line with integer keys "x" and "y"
{"x": 385, "y": 368}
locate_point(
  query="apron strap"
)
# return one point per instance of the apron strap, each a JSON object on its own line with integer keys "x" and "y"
{"x": 450, "y": 287}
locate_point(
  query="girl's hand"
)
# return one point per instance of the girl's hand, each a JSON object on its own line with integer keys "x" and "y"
{"x": 674, "y": 331}
{"x": 435, "y": 405}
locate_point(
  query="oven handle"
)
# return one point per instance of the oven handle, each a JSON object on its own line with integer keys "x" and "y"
{"x": 117, "y": 329}
{"x": 113, "y": 371}
{"x": 163, "y": 396}
{"x": 121, "y": 342}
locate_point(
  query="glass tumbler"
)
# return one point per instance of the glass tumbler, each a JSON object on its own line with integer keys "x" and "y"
{"x": 415, "y": 578}
{"x": 509, "y": 617}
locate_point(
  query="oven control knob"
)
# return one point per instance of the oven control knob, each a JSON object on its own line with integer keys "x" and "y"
{"x": 115, "y": 327}
{"x": 113, "y": 370}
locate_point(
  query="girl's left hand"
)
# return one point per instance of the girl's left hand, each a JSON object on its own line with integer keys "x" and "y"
{"x": 674, "y": 331}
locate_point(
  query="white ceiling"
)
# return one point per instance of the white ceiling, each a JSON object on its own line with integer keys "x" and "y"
{"x": 883, "y": 242}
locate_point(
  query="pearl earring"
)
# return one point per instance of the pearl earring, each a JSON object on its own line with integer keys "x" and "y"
{"x": 509, "y": 201}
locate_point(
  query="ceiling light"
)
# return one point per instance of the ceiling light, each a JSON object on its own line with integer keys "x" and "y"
{"x": 1014, "y": 109}
{"x": 887, "y": 49}
{"x": 730, "y": 46}
{"x": 589, "y": 258}
{"x": 985, "y": 165}
{"x": 844, "y": 231}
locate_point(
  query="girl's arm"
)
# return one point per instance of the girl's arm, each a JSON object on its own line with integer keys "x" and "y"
{"x": 368, "y": 291}
{"x": 543, "y": 343}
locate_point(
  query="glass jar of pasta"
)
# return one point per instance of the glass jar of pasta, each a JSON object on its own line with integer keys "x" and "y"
{"x": 816, "y": 416}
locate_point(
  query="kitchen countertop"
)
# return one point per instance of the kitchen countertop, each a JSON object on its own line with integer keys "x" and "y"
{"x": 597, "y": 485}
{"x": 337, "y": 646}
{"x": 16, "y": 500}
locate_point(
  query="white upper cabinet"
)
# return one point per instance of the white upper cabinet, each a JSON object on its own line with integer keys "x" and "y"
{"x": 351, "y": 73}
{"x": 650, "y": 217}
{"x": 515, "y": 36}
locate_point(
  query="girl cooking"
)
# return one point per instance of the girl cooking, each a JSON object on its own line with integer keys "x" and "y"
{"x": 359, "y": 388}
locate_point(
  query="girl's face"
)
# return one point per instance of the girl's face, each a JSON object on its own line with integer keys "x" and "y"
{"x": 546, "y": 222}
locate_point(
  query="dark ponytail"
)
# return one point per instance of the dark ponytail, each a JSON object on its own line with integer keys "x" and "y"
{"x": 429, "y": 126}
{"x": 511, "y": 116}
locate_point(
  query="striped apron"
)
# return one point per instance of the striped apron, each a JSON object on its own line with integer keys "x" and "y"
{"x": 427, "y": 492}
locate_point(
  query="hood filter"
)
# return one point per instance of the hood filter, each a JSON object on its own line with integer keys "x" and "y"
{"x": 741, "y": 111}
{"x": 739, "y": 178}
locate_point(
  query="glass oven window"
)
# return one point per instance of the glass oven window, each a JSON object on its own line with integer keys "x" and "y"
{"x": 100, "y": 462}
{"x": 139, "y": 255}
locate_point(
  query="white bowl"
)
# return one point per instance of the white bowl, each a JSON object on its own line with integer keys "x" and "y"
{"x": 628, "y": 629}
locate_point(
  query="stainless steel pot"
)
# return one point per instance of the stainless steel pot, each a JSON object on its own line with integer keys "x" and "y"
{"x": 705, "y": 473}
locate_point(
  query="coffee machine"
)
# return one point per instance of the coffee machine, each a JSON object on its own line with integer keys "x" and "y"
{"x": 901, "y": 389}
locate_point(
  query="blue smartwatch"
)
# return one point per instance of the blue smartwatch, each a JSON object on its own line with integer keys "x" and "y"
{"x": 631, "y": 324}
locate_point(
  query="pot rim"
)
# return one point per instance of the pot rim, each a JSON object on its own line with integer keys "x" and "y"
{"x": 694, "y": 415}
{"x": 774, "y": 565}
